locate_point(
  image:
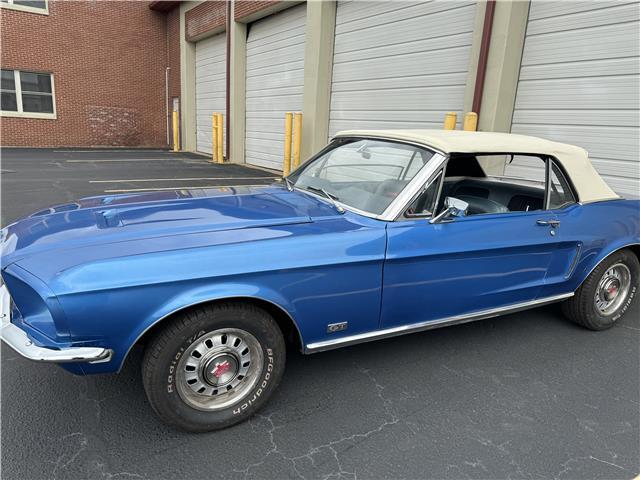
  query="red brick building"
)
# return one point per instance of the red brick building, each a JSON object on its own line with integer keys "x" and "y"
{"x": 87, "y": 73}
{"x": 108, "y": 73}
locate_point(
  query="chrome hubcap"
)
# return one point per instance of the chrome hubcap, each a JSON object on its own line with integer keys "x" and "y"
{"x": 219, "y": 369}
{"x": 613, "y": 289}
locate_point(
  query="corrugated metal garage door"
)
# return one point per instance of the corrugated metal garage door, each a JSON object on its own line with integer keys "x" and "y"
{"x": 399, "y": 64}
{"x": 579, "y": 83}
{"x": 210, "y": 86}
{"x": 275, "y": 77}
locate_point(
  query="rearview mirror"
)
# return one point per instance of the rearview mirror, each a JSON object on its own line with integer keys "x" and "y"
{"x": 454, "y": 207}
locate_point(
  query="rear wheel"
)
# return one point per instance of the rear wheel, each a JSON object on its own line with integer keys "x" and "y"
{"x": 607, "y": 293}
{"x": 214, "y": 366}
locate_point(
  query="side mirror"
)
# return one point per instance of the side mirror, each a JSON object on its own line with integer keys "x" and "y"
{"x": 454, "y": 207}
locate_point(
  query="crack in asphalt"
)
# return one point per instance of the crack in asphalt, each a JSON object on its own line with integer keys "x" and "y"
{"x": 333, "y": 446}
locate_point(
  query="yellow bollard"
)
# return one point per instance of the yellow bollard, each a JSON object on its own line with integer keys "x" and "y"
{"x": 450, "y": 120}
{"x": 470, "y": 122}
{"x": 176, "y": 132}
{"x": 214, "y": 137}
{"x": 297, "y": 139}
{"x": 220, "y": 142}
{"x": 286, "y": 164}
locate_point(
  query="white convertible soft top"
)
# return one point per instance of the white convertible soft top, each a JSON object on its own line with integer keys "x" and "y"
{"x": 590, "y": 187}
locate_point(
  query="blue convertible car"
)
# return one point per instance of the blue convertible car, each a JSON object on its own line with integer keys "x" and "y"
{"x": 382, "y": 233}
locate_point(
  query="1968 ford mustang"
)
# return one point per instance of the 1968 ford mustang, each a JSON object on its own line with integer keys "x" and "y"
{"x": 382, "y": 233}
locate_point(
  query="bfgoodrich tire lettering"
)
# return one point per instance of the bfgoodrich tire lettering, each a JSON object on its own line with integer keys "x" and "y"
{"x": 618, "y": 273}
{"x": 183, "y": 396}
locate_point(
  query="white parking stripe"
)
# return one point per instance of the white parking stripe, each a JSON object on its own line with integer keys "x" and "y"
{"x": 111, "y": 151}
{"x": 132, "y": 190}
{"x": 137, "y": 180}
{"x": 103, "y": 160}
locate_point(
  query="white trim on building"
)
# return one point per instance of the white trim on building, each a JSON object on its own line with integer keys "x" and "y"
{"x": 12, "y": 5}
{"x": 19, "y": 112}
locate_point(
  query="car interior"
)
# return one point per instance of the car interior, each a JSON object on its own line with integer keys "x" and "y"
{"x": 369, "y": 175}
{"x": 466, "y": 180}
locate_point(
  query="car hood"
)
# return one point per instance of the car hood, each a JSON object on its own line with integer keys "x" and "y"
{"x": 98, "y": 221}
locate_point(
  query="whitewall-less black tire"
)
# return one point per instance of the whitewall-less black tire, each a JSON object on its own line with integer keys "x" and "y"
{"x": 607, "y": 293}
{"x": 213, "y": 366}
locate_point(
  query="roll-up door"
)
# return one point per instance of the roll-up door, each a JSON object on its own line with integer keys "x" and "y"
{"x": 399, "y": 64}
{"x": 580, "y": 83}
{"x": 210, "y": 86}
{"x": 275, "y": 77}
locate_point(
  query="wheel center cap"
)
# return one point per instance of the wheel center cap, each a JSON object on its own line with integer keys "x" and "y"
{"x": 221, "y": 369}
{"x": 611, "y": 291}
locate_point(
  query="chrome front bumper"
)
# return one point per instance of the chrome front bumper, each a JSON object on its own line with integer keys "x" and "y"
{"x": 17, "y": 339}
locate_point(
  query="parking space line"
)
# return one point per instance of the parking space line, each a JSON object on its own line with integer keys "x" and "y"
{"x": 151, "y": 189}
{"x": 111, "y": 151}
{"x": 137, "y": 180}
{"x": 112, "y": 160}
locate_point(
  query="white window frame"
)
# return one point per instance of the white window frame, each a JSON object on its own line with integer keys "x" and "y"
{"x": 20, "y": 113}
{"x": 24, "y": 8}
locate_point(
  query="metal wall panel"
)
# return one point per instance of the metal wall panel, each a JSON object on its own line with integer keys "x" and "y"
{"x": 399, "y": 64}
{"x": 580, "y": 83}
{"x": 275, "y": 78}
{"x": 210, "y": 86}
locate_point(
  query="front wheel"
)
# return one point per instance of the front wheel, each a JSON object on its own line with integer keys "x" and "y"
{"x": 214, "y": 366}
{"x": 607, "y": 293}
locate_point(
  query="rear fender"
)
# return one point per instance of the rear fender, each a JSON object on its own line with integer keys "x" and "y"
{"x": 591, "y": 260}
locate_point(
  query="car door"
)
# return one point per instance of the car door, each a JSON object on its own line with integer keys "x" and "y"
{"x": 465, "y": 265}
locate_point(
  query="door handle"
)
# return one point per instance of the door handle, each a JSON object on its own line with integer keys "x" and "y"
{"x": 548, "y": 223}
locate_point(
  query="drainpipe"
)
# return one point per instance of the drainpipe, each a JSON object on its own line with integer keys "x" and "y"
{"x": 484, "y": 56}
{"x": 228, "y": 82}
{"x": 166, "y": 100}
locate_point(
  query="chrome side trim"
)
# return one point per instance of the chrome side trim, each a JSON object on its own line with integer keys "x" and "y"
{"x": 574, "y": 263}
{"x": 431, "y": 324}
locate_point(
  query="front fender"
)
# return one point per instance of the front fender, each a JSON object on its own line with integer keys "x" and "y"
{"x": 207, "y": 294}
{"x": 151, "y": 312}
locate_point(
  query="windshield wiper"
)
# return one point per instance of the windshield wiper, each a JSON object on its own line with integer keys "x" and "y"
{"x": 288, "y": 183}
{"x": 332, "y": 198}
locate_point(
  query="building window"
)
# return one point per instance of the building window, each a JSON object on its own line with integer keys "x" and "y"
{"x": 34, "y": 6}
{"x": 27, "y": 94}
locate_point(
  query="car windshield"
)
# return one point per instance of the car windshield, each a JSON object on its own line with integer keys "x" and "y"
{"x": 362, "y": 173}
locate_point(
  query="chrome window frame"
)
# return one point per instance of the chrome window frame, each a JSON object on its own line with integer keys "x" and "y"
{"x": 398, "y": 206}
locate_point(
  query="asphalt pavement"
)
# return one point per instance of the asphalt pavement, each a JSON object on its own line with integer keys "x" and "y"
{"x": 528, "y": 395}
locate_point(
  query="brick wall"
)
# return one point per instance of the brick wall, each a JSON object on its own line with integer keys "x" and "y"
{"x": 246, "y": 8}
{"x": 205, "y": 17}
{"x": 108, "y": 60}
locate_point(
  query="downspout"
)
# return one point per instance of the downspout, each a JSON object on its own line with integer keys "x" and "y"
{"x": 483, "y": 57}
{"x": 228, "y": 80}
{"x": 166, "y": 76}
{"x": 166, "y": 101}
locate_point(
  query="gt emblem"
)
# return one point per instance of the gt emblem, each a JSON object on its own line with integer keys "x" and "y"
{"x": 337, "y": 327}
{"x": 221, "y": 369}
